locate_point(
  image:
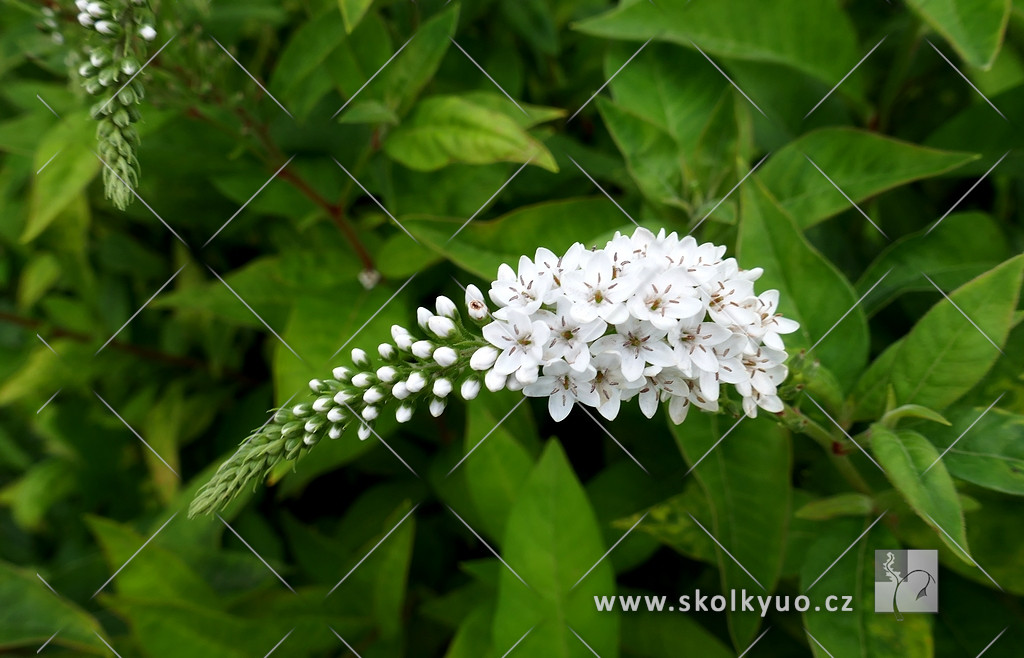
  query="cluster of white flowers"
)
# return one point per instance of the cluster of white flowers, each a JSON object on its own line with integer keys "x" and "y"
{"x": 657, "y": 317}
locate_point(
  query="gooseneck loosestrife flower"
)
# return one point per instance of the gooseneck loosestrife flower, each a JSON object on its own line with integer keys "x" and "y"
{"x": 658, "y": 318}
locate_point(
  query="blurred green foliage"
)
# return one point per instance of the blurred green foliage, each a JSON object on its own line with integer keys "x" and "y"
{"x": 130, "y": 369}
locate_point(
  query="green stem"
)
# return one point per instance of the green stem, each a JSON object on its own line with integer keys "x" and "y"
{"x": 798, "y": 422}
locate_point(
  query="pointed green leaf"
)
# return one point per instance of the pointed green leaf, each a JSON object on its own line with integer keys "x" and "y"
{"x": 747, "y": 481}
{"x": 861, "y": 163}
{"x": 848, "y": 504}
{"x": 990, "y": 453}
{"x": 352, "y": 11}
{"x": 813, "y": 292}
{"x": 913, "y": 466}
{"x": 973, "y": 27}
{"x": 552, "y": 540}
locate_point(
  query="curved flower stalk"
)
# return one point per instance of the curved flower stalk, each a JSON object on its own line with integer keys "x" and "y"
{"x": 655, "y": 317}
{"x": 118, "y": 33}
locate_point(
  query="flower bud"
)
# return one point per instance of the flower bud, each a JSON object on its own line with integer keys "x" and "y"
{"x": 315, "y": 385}
{"x": 401, "y": 337}
{"x": 493, "y": 381}
{"x": 362, "y": 379}
{"x": 323, "y": 404}
{"x": 400, "y": 391}
{"x": 442, "y": 387}
{"x": 341, "y": 374}
{"x": 342, "y": 397}
{"x": 403, "y": 414}
{"x": 416, "y": 382}
{"x": 335, "y": 432}
{"x": 483, "y": 358}
{"x": 445, "y": 356}
{"x": 147, "y": 32}
{"x": 386, "y": 350}
{"x": 95, "y": 9}
{"x": 372, "y": 395}
{"x": 85, "y": 20}
{"x": 369, "y": 413}
{"x": 336, "y": 415}
{"x": 364, "y": 432}
{"x": 422, "y": 349}
{"x": 386, "y": 374}
{"x": 436, "y": 407}
{"x": 312, "y": 425}
{"x": 441, "y": 326}
{"x": 423, "y": 316}
{"x": 107, "y": 27}
{"x": 309, "y": 439}
{"x": 129, "y": 65}
{"x": 470, "y": 389}
{"x": 301, "y": 410}
{"x": 445, "y": 307}
{"x": 359, "y": 358}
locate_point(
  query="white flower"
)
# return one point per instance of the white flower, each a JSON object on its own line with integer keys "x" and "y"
{"x": 523, "y": 290}
{"x": 570, "y": 339}
{"x": 637, "y": 343}
{"x": 520, "y": 339}
{"x": 609, "y": 383}
{"x": 563, "y": 386}
{"x": 666, "y": 299}
{"x": 475, "y": 304}
{"x": 596, "y": 294}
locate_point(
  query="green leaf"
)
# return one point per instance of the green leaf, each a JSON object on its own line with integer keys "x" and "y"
{"x": 70, "y": 143}
{"x": 960, "y": 248}
{"x": 446, "y": 129}
{"x": 670, "y": 522}
{"x": 862, "y": 632}
{"x": 496, "y": 470}
{"x": 404, "y": 78}
{"x": 369, "y": 111}
{"x": 861, "y": 163}
{"x": 990, "y": 453}
{"x": 40, "y": 274}
{"x": 848, "y": 504}
{"x": 747, "y": 481}
{"x": 32, "y": 614}
{"x": 812, "y": 291}
{"x": 892, "y": 417}
{"x": 654, "y": 635}
{"x": 945, "y": 354}
{"x": 973, "y": 27}
{"x": 913, "y": 466}
{"x": 813, "y": 37}
{"x": 352, "y": 11}
{"x": 481, "y": 246}
{"x": 31, "y": 496}
{"x": 552, "y": 540}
